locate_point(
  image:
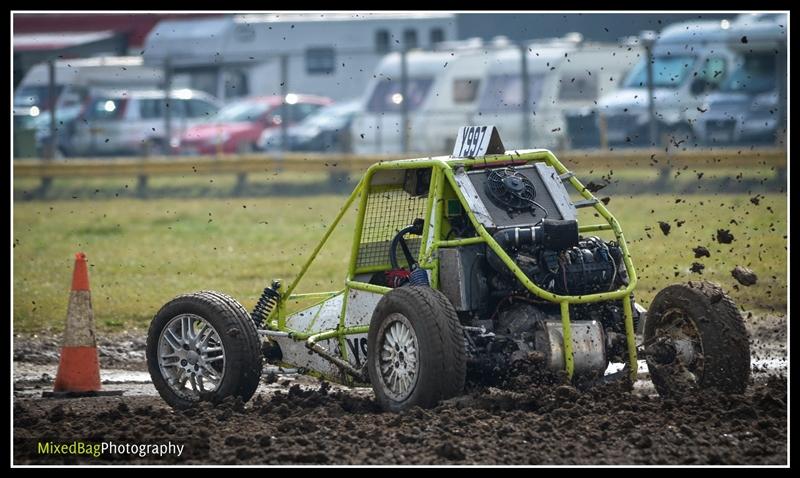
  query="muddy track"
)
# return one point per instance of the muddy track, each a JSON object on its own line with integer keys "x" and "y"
{"x": 122, "y": 350}
{"x": 520, "y": 424}
{"x": 523, "y": 418}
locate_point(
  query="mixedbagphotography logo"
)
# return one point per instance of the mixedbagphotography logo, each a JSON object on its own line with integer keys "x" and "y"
{"x": 96, "y": 450}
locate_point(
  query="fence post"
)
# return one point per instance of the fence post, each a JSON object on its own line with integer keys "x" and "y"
{"x": 241, "y": 184}
{"x": 526, "y": 99}
{"x": 284, "y": 106}
{"x": 781, "y": 76}
{"x": 167, "y": 108}
{"x": 50, "y": 153}
{"x": 404, "y": 97}
{"x": 51, "y": 104}
{"x": 780, "y": 175}
{"x": 648, "y": 40}
{"x": 141, "y": 186}
{"x": 603, "y": 127}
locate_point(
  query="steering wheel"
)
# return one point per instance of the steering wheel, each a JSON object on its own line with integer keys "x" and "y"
{"x": 415, "y": 228}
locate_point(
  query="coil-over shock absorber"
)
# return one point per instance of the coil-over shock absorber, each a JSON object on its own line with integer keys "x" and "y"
{"x": 268, "y": 300}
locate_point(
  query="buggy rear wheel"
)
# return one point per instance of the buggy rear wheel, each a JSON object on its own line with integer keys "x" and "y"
{"x": 416, "y": 353}
{"x": 203, "y": 346}
{"x": 695, "y": 338}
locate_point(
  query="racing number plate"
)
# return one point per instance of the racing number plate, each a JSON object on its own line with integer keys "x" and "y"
{"x": 474, "y": 141}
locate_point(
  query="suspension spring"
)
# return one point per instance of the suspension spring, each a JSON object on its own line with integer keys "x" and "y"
{"x": 268, "y": 300}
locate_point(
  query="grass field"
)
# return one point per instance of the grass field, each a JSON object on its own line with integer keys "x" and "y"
{"x": 144, "y": 252}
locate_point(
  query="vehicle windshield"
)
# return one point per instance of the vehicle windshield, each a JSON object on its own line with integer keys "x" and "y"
{"x": 668, "y": 72}
{"x": 35, "y": 96}
{"x": 242, "y": 111}
{"x": 331, "y": 115}
{"x": 504, "y": 93}
{"x": 386, "y": 97}
{"x": 756, "y": 75}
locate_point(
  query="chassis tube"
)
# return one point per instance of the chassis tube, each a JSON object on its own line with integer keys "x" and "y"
{"x": 325, "y": 237}
{"x": 436, "y": 215}
{"x": 566, "y": 330}
{"x": 630, "y": 336}
{"x": 345, "y": 366}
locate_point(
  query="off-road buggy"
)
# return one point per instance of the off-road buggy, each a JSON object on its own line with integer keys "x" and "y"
{"x": 459, "y": 267}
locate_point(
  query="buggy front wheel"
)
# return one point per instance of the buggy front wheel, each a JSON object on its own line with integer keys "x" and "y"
{"x": 203, "y": 346}
{"x": 416, "y": 353}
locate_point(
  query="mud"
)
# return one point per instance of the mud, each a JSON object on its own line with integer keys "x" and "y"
{"x": 744, "y": 276}
{"x": 522, "y": 417}
{"x": 697, "y": 267}
{"x": 593, "y": 186}
{"x": 524, "y": 423}
{"x": 724, "y": 236}
{"x": 701, "y": 251}
{"x": 121, "y": 350}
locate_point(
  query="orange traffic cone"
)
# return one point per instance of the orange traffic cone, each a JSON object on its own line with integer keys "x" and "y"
{"x": 79, "y": 368}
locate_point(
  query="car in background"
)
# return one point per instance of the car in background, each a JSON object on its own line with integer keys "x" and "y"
{"x": 239, "y": 125}
{"x": 75, "y": 76}
{"x": 748, "y": 108}
{"x": 133, "y": 122}
{"x": 690, "y": 61}
{"x": 327, "y": 130}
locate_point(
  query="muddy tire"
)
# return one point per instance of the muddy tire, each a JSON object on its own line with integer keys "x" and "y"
{"x": 416, "y": 349}
{"x": 203, "y": 347}
{"x": 254, "y": 366}
{"x": 695, "y": 338}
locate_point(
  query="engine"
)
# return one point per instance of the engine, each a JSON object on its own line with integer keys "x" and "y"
{"x": 534, "y": 222}
{"x": 591, "y": 266}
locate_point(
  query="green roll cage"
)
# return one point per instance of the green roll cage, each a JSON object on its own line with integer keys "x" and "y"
{"x": 442, "y": 170}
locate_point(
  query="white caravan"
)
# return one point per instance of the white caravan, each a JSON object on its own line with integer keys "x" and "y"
{"x": 453, "y": 99}
{"x": 563, "y": 75}
{"x": 443, "y": 90}
{"x": 329, "y": 54}
{"x": 377, "y": 128}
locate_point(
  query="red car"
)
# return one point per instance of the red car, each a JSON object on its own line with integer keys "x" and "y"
{"x": 237, "y": 127}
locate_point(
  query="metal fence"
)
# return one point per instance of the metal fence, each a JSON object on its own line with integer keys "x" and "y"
{"x": 340, "y": 167}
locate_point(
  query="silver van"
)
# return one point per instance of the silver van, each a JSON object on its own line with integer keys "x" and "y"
{"x": 132, "y": 122}
{"x": 690, "y": 60}
{"x": 750, "y": 106}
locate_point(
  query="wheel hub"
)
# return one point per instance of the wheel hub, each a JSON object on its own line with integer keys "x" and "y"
{"x": 191, "y": 356}
{"x": 398, "y": 359}
{"x": 679, "y": 345}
